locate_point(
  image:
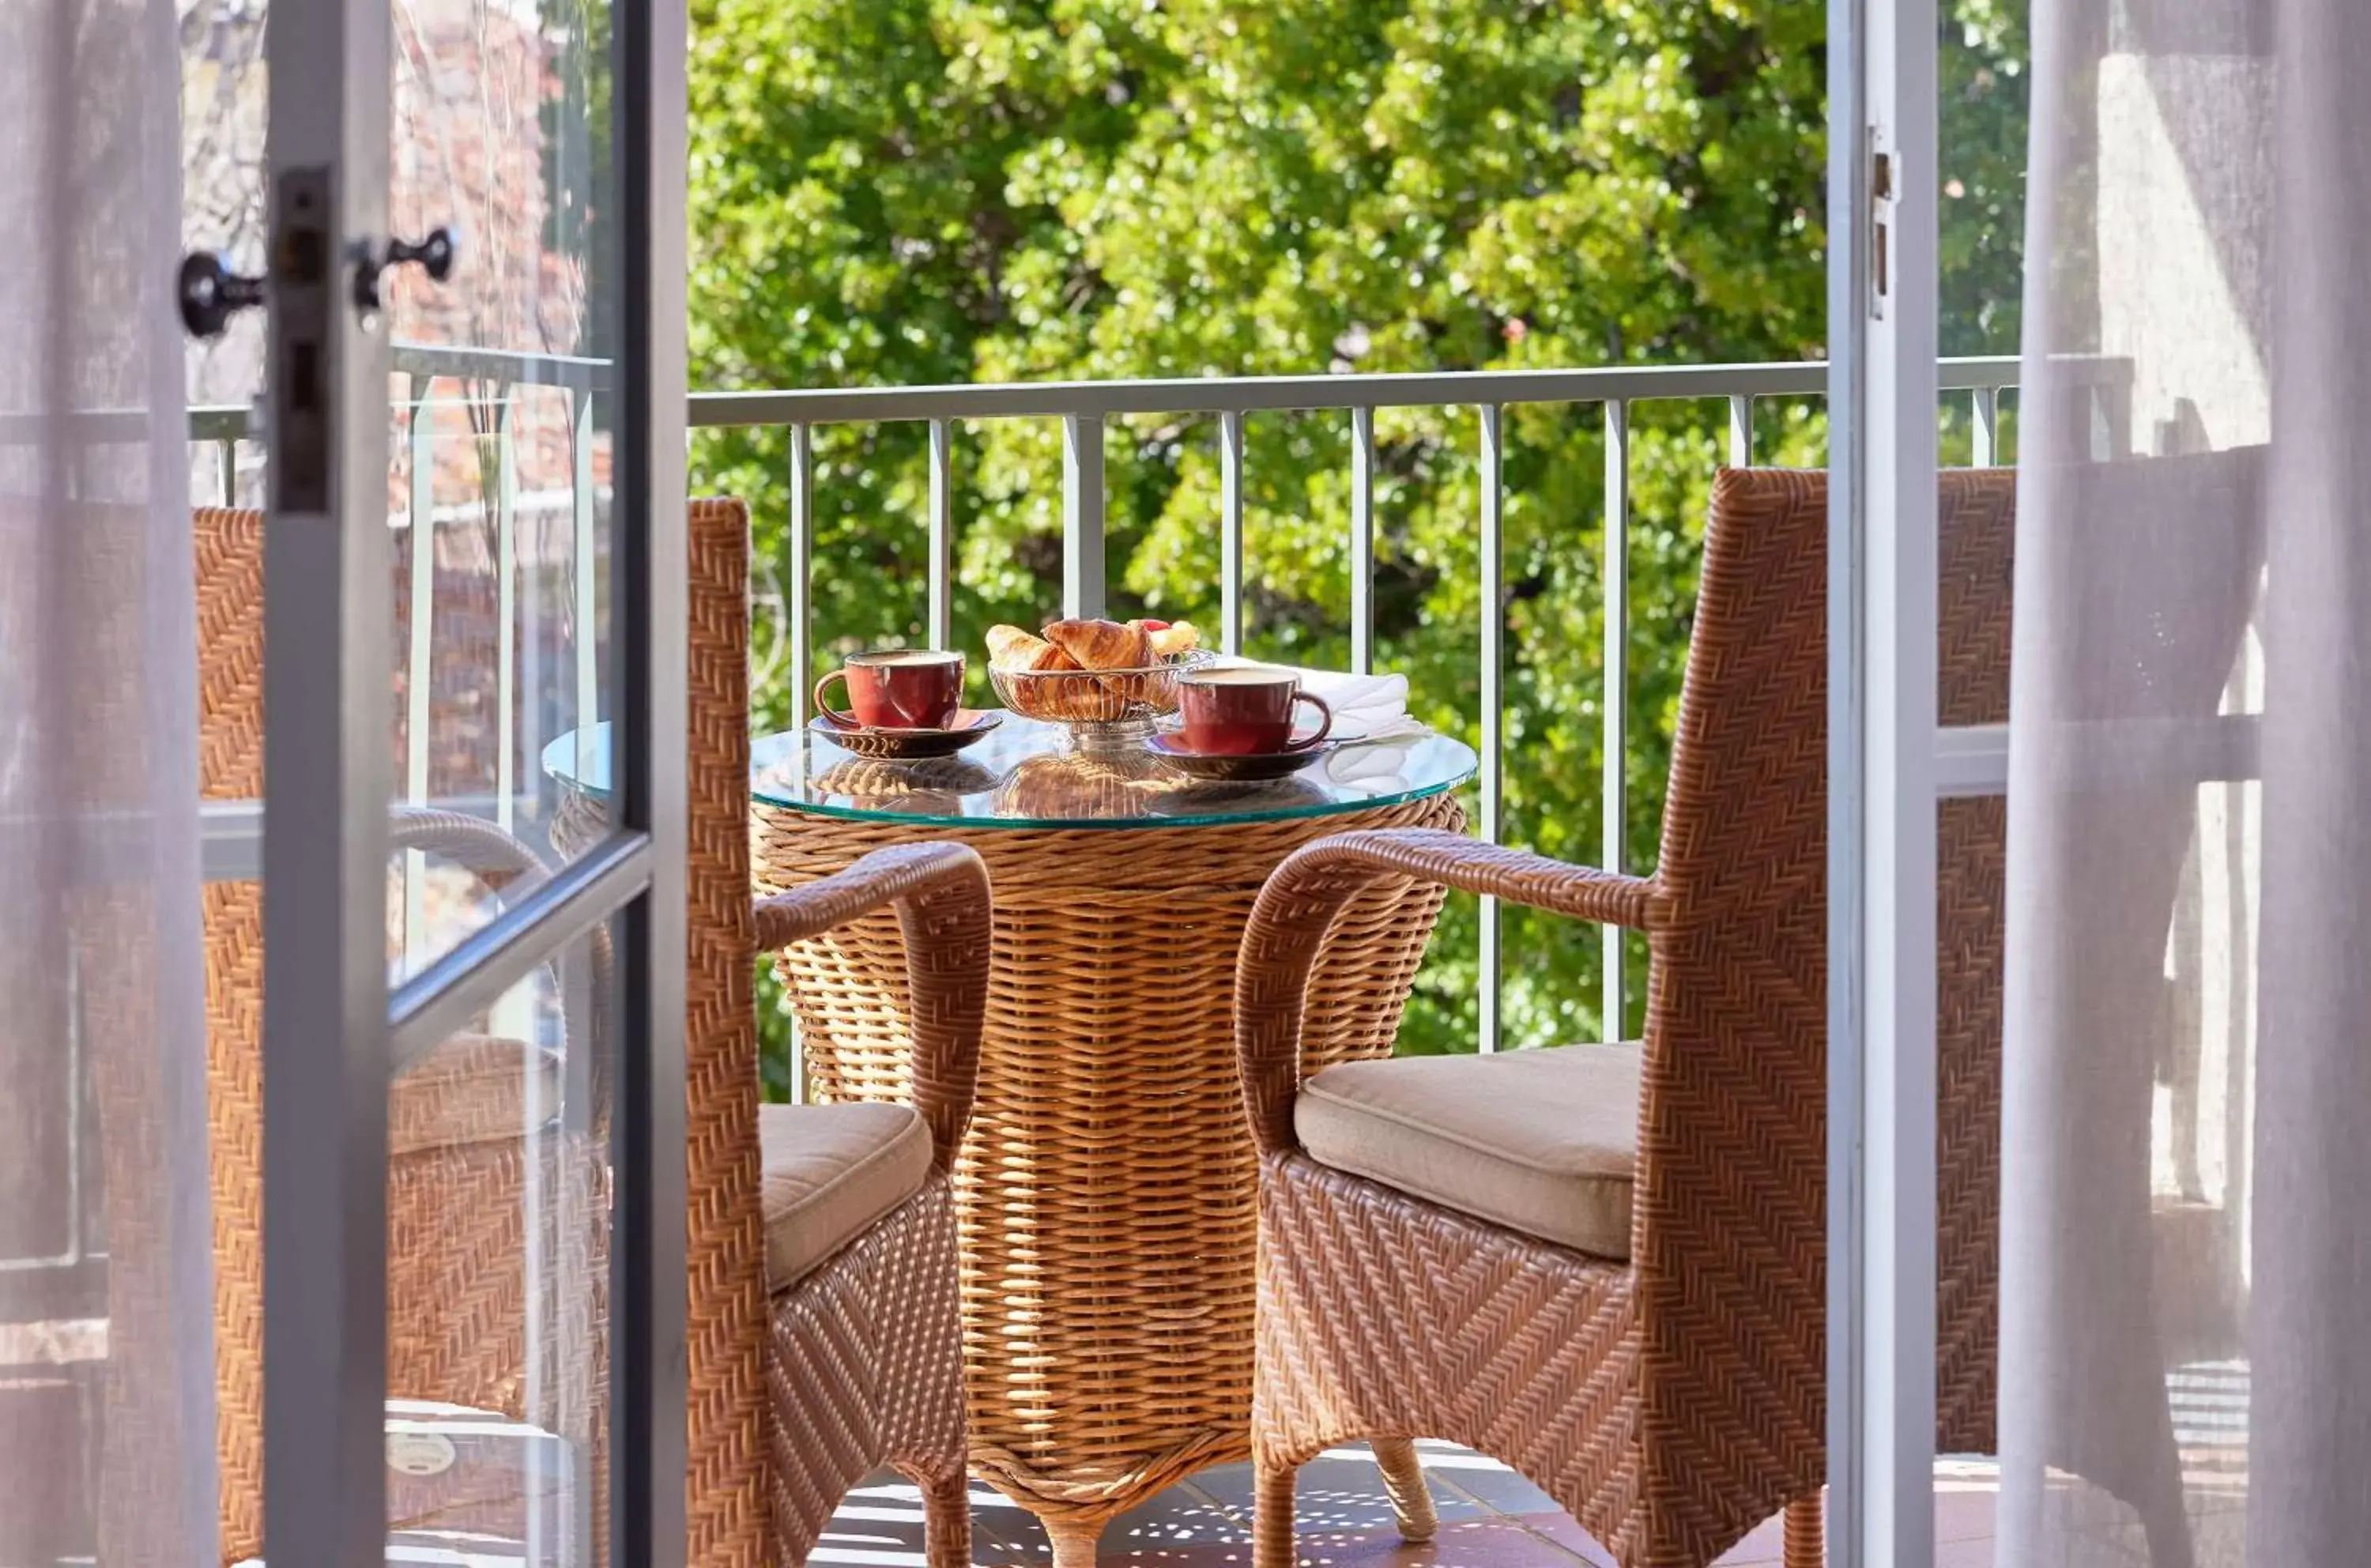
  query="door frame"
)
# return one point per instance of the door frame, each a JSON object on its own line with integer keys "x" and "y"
{"x": 1883, "y": 738}
{"x": 328, "y": 778}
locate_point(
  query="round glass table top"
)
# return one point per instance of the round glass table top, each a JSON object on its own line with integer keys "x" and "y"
{"x": 1029, "y": 773}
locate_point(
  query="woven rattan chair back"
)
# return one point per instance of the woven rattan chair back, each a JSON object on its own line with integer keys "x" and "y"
{"x": 1675, "y": 1400}
{"x": 458, "y": 1249}
{"x": 796, "y": 1395}
{"x": 727, "y": 1503}
{"x": 1976, "y": 542}
{"x": 1733, "y": 1127}
{"x": 1730, "y": 1209}
{"x": 229, "y": 554}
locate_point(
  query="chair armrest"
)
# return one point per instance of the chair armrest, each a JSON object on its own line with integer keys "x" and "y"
{"x": 512, "y": 868}
{"x": 942, "y": 894}
{"x": 1297, "y": 907}
{"x": 477, "y": 846}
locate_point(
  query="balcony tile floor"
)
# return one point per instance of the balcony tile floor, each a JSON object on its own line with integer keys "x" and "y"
{"x": 1490, "y": 1517}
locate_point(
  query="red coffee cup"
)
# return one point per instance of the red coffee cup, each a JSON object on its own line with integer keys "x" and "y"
{"x": 1246, "y": 710}
{"x": 895, "y": 688}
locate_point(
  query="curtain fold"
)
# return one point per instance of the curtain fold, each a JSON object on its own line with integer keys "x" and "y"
{"x": 106, "y": 1422}
{"x": 2185, "y": 1371}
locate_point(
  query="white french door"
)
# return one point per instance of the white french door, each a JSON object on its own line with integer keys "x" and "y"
{"x": 1883, "y": 740}
{"x": 473, "y": 1006}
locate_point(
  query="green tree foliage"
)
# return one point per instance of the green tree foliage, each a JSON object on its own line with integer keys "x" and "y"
{"x": 945, "y": 190}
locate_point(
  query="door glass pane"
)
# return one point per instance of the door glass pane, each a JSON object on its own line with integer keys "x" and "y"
{"x": 223, "y": 85}
{"x": 501, "y": 444}
{"x": 498, "y": 1254}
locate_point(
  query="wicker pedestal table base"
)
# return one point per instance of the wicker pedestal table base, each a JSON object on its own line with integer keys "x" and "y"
{"x": 1106, "y": 1191}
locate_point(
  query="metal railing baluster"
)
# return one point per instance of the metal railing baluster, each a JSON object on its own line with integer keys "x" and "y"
{"x": 943, "y": 532}
{"x": 584, "y": 605}
{"x": 1085, "y": 408}
{"x": 1615, "y": 794}
{"x": 1494, "y": 630}
{"x": 506, "y": 611}
{"x": 1083, "y": 516}
{"x": 1363, "y": 541}
{"x": 802, "y": 635}
{"x": 802, "y": 543}
{"x": 513, "y": 1017}
{"x": 1230, "y": 532}
{"x": 422, "y": 512}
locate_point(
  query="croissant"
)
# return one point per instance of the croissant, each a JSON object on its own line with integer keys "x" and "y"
{"x": 1106, "y": 645}
{"x": 1102, "y": 644}
{"x": 1010, "y": 647}
{"x": 1015, "y": 652}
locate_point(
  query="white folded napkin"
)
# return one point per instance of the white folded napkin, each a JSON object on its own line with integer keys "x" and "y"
{"x": 1368, "y": 769}
{"x": 1366, "y": 708}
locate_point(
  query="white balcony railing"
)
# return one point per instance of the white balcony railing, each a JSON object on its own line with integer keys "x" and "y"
{"x": 1085, "y": 409}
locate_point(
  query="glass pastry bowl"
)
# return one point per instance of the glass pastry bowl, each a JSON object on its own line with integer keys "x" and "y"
{"x": 1105, "y": 708}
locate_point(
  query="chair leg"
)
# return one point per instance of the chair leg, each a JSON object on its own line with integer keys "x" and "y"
{"x": 1403, "y": 1484}
{"x": 1272, "y": 1543}
{"x": 1074, "y": 1541}
{"x": 1807, "y": 1532}
{"x": 946, "y": 1521}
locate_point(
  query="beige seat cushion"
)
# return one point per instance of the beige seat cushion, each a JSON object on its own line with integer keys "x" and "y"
{"x": 1544, "y": 1142}
{"x": 830, "y": 1171}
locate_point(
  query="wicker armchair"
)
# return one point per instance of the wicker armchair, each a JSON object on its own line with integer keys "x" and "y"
{"x": 824, "y": 1330}
{"x": 1605, "y": 1265}
{"x": 459, "y": 1251}
{"x": 825, "y": 1337}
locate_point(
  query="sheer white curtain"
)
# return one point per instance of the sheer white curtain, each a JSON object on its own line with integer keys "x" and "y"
{"x": 107, "y": 1420}
{"x": 2186, "y": 1321}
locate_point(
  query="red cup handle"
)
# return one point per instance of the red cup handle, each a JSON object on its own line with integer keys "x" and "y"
{"x": 824, "y": 710}
{"x": 1324, "y": 724}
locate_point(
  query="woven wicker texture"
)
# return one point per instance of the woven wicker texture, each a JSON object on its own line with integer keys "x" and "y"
{"x": 1105, "y": 1190}
{"x": 458, "y": 1250}
{"x": 867, "y": 1365}
{"x": 229, "y": 552}
{"x": 867, "y": 1370}
{"x": 725, "y": 1237}
{"x": 1673, "y": 1403}
{"x": 860, "y": 1363}
{"x": 1977, "y": 541}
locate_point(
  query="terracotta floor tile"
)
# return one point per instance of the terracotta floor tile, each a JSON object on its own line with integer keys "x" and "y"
{"x": 1493, "y": 1483}
{"x": 1343, "y": 1492}
{"x": 1181, "y": 1517}
{"x": 1200, "y": 1556}
{"x": 1561, "y": 1528}
{"x": 1344, "y": 1522}
{"x": 1471, "y": 1543}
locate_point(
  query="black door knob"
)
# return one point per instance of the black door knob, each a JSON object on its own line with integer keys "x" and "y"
{"x": 434, "y": 253}
{"x": 210, "y": 293}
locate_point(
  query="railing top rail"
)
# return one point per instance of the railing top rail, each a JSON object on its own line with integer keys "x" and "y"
{"x": 520, "y": 369}
{"x": 1257, "y": 393}
{"x": 232, "y": 422}
{"x": 1102, "y": 399}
